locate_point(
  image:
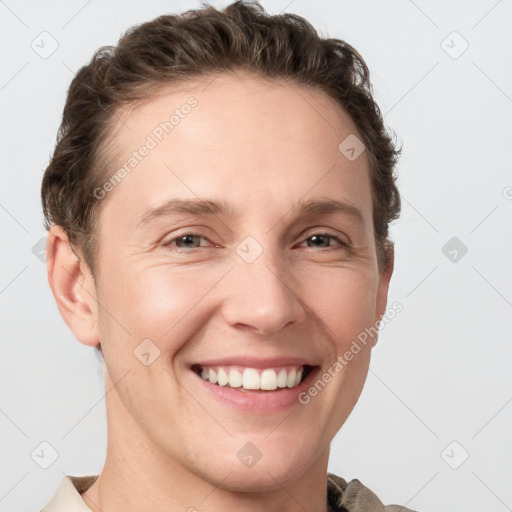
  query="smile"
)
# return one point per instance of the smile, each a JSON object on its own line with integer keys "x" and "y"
{"x": 255, "y": 379}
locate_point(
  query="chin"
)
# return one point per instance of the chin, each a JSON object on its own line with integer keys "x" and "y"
{"x": 264, "y": 465}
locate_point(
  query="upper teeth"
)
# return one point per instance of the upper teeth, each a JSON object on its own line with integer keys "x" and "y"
{"x": 251, "y": 378}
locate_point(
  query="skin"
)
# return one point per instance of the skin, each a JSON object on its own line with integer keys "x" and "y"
{"x": 261, "y": 146}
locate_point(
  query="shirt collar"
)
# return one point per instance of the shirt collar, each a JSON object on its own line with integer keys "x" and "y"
{"x": 67, "y": 497}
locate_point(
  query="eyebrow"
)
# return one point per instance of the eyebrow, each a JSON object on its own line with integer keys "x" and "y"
{"x": 316, "y": 206}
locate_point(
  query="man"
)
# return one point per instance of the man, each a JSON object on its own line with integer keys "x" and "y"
{"x": 218, "y": 206}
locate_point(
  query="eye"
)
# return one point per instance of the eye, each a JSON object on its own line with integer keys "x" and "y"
{"x": 323, "y": 239}
{"x": 184, "y": 241}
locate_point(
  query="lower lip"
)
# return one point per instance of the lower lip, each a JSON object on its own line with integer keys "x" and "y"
{"x": 258, "y": 401}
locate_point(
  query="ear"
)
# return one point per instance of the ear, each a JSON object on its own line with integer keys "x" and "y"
{"x": 72, "y": 286}
{"x": 382, "y": 291}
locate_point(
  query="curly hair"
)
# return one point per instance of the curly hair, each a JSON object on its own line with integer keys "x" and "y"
{"x": 173, "y": 49}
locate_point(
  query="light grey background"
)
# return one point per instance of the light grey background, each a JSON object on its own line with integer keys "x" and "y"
{"x": 439, "y": 386}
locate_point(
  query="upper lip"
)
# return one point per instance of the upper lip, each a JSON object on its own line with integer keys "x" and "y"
{"x": 256, "y": 362}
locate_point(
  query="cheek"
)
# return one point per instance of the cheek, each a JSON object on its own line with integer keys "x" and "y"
{"x": 344, "y": 300}
{"x": 163, "y": 303}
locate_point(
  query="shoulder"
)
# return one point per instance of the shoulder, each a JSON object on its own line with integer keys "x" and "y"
{"x": 353, "y": 496}
{"x": 67, "y": 496}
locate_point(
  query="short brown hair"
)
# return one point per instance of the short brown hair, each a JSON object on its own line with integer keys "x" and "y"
{"x": 176, "y": 48}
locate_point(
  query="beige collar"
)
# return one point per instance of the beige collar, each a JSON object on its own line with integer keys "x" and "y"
{"x": 67, "y": 497}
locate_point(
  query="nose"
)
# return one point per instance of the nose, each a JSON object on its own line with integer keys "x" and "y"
{"x": 262, "y": 295}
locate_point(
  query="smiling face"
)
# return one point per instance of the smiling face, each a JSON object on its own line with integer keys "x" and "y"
{"x": 275, "y": 270}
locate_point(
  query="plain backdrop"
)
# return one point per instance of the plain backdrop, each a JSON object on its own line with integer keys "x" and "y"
{"x": 432, "y": 428}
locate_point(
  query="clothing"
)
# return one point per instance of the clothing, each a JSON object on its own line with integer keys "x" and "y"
{"x": 341, "y": 496}
{"x": 355, "y": 497}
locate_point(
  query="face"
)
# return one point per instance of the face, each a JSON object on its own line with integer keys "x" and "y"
{"x": 251, "y": 293}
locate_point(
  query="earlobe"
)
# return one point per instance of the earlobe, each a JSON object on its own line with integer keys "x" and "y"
{"x": 72, "y": 287}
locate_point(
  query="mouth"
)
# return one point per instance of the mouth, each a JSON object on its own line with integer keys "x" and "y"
{"x": 255, "y": 385}
{"x": 247, "y": 379}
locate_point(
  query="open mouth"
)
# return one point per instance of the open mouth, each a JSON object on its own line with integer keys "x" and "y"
{"x": 254, "y": 379}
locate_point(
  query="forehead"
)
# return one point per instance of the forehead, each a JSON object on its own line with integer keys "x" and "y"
{"x": 239, "y": 137}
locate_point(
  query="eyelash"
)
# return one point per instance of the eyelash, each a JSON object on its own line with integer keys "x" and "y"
{"x": 170, "y": 243}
